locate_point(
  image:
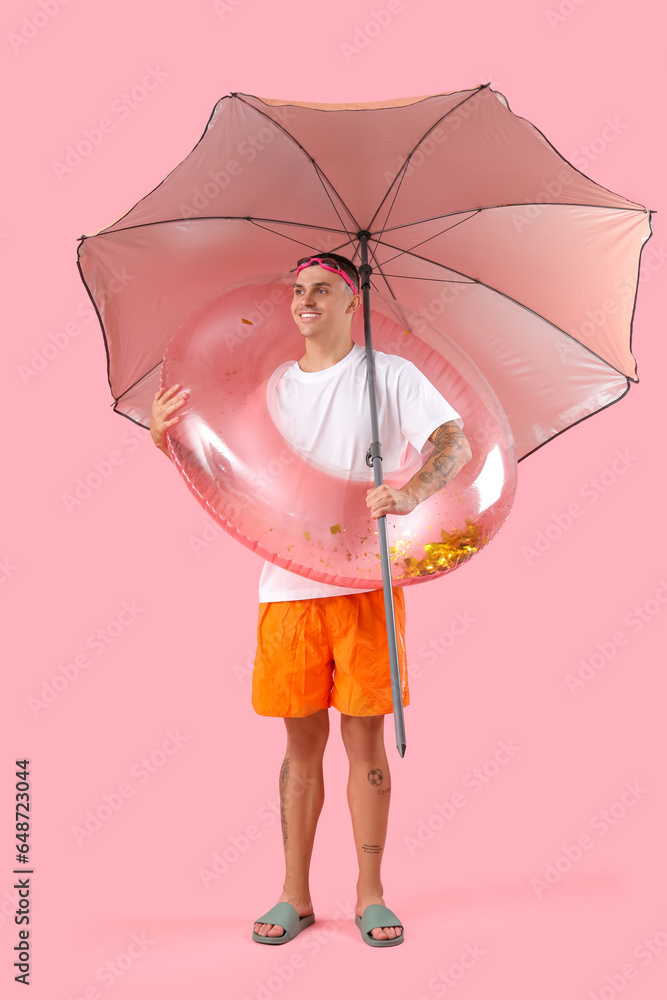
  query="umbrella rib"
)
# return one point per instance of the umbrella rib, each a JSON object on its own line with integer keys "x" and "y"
{"x": 212, "y": 218}
{"x": 320, "y": 173}
{"x": 474, "y": 211}
{"x": 137, "y": 381}
{"x": 391, "y": 290}
{"x": 255, "y": 222}
{"x": 471, "y": 212}
{"x": 300, "y": 242}
{"x": 510, "y": 298}
{"x": 323, "y": 177}
{"x": 411, "y": 277}
{"x": 329, "y": 229}
{"x": 403, "y": 169}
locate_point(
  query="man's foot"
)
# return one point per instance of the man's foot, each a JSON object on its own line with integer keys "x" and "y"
{"x": 379, "y": 933}
{"x": 303, "y": 907}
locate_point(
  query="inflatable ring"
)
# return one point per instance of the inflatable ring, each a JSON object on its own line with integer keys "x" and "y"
{"x": 250, "y": 479}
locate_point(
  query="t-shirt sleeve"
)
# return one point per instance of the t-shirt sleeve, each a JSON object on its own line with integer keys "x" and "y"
{"x": 421, "y": 407}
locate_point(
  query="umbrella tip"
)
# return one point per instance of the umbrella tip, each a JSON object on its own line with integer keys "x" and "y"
{"x": 401, "y": 749}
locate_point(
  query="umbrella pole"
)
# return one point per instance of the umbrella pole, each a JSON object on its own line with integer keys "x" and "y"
{"x": 374, "y": 459}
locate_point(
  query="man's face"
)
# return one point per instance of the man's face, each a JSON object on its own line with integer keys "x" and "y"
{"x": 323, "y": 302}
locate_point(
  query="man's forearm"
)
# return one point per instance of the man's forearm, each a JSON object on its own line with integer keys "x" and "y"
{"x": 450, "y": 454}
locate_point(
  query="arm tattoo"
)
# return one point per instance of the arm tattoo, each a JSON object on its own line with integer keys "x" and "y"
{"x": 448, "y": 446}
{"x": 284, "y": 775}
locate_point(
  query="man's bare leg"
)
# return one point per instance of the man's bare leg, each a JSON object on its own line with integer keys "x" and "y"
{"x": 368, "y": 794}
{"x": 301, "y": 800}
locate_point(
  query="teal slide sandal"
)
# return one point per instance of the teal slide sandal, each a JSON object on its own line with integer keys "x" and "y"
{"x": 378, "y": 916}
{"x": 285, "y": 916}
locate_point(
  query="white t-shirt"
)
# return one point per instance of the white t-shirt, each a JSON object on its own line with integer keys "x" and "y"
{"x": 325, "y": 415}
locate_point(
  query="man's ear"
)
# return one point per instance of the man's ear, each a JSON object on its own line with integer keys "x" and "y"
{"x": 354, "y": 303}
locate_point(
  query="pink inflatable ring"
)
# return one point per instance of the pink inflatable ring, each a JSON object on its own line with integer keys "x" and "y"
{"x": 272, "y": 499}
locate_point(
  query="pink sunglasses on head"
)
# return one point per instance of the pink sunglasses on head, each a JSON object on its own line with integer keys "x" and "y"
{"x": 328, "y": 263}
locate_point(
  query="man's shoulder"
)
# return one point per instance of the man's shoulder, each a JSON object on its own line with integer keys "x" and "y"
{"x": 394, "y": 366}
{"x": 391, "y": 360}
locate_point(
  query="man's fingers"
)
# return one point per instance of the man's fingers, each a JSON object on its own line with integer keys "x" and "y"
{"x": 174, "y": 404}
{"x": 166, "y": 394}
{"x": 165, "y": 407}
{"x": 377, "y": 510}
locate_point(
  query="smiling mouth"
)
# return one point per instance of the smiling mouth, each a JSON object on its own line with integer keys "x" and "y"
{"x": 305, "y": 315}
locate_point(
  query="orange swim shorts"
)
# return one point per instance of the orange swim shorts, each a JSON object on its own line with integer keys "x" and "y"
{"x": 327, "y": 651}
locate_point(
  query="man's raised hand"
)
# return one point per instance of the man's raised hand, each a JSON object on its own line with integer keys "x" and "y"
{"x": 165, "y": 402}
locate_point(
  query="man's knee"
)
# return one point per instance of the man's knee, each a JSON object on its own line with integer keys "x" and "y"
{"x": 308, "y": 735}
{"x": 362, "y": 732}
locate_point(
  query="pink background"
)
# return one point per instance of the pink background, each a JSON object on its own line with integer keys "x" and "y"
{"x": 124, "y": 911}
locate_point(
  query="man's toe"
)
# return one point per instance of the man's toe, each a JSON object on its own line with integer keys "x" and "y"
{"x": 386, "y": 933}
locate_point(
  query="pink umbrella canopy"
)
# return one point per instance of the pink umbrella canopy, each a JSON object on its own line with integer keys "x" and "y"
{"x": 476, "y": 223}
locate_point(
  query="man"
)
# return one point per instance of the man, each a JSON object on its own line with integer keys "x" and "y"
{"x": 322, "y": 646}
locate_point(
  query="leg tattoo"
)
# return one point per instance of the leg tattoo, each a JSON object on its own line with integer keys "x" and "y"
{"x": 284, "y": 775}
